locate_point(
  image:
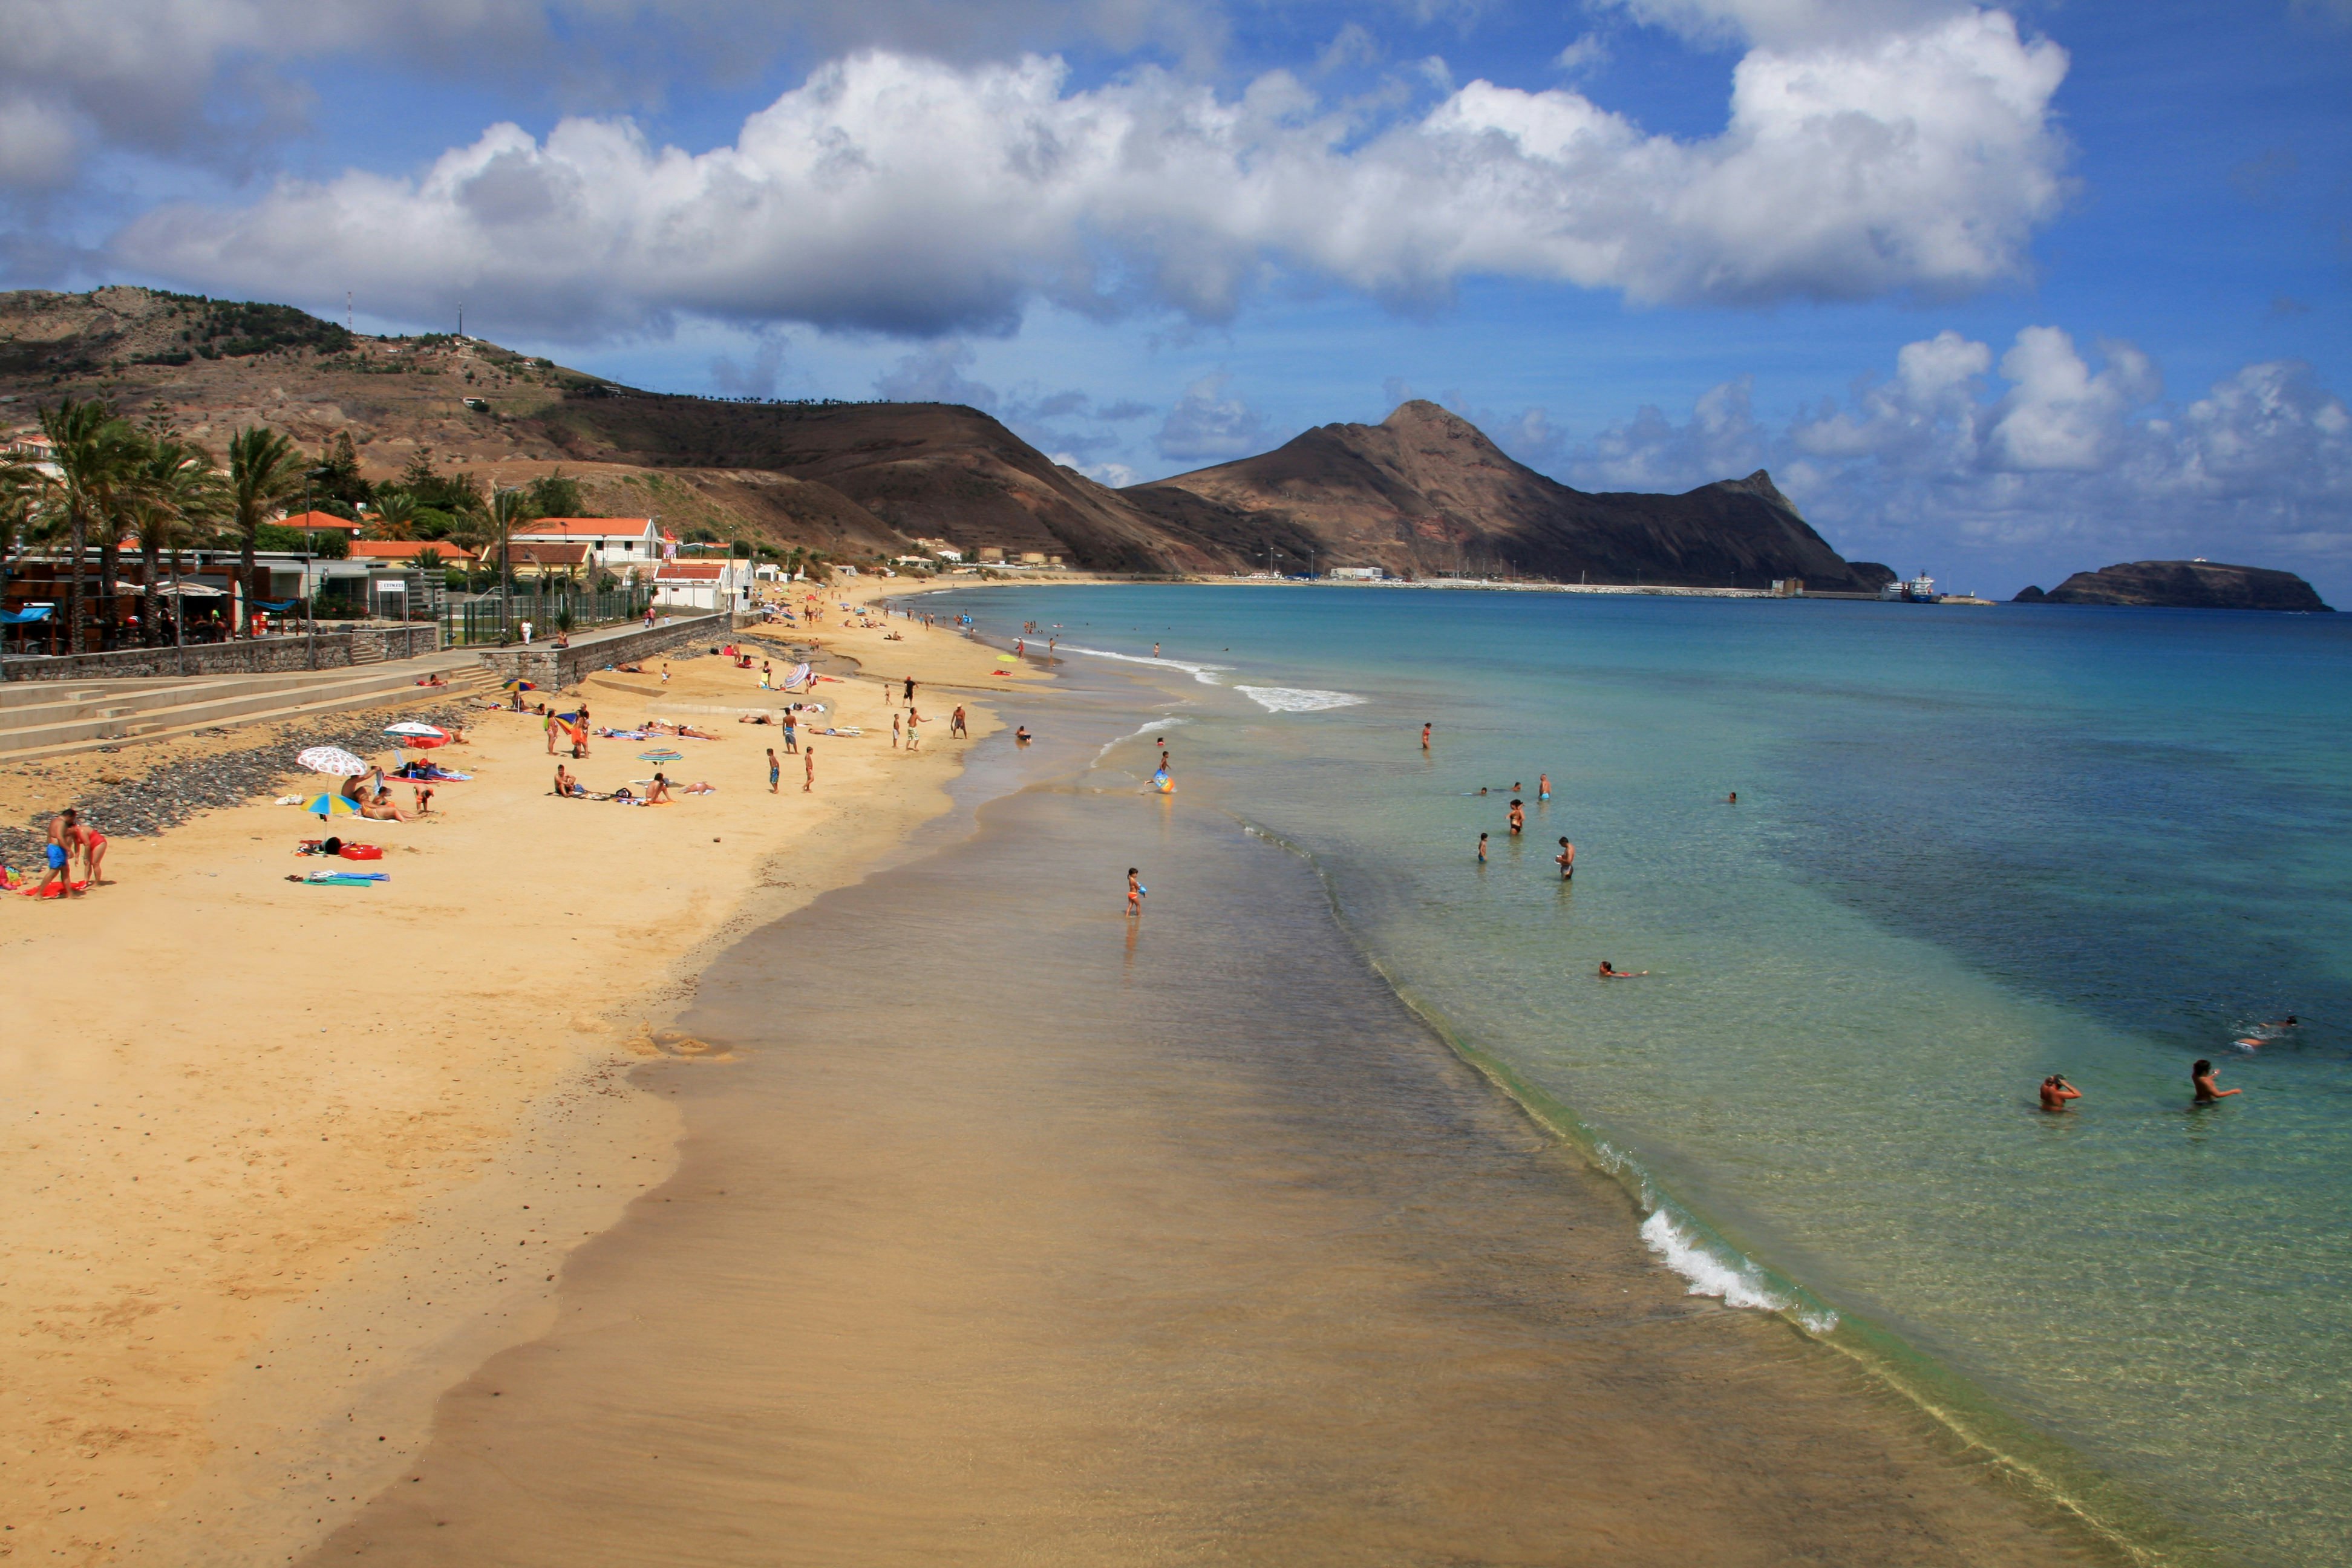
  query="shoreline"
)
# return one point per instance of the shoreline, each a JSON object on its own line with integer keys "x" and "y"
{"x": 271, "y": 1144}
{"x": 850, "y": 1374}
{"x": 2047, "y": 1473}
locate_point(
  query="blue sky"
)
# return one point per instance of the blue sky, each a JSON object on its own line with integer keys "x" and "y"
{"x": 1998, "y": 293}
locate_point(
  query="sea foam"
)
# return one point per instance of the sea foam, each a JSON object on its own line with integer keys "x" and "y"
{"x": 1296, "y": 698}
{"x": 1206, "y": 674}
{"x": 1738, "y": 1281}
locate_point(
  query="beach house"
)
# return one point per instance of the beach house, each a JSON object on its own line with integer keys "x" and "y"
{"x": 613, "y": 544}
{"x": 707, "y": 585}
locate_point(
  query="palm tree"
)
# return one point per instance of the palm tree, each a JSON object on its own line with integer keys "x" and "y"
{"x": 509, "y": 510}
{"x": 395, "y": 516}
{"x": 21, "y": 485}
{"x": 95, "y": 450}
{"x": 265, "y": 470}
{"x": 175, "y": 495}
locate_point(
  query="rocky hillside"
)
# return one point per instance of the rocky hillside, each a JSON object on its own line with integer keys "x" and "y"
{"x": 1422, "y": 493}
{"x": 2182, "y": 584}
{"x": 1425, "y": 491}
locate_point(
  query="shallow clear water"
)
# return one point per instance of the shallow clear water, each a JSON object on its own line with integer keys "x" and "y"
{"x": 1972, "y": 847}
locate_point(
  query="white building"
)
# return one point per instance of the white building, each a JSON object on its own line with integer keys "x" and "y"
{"x": 1356, "y": 574}
{"x": 615, "y": 544}
{"x": 705, "y": 585}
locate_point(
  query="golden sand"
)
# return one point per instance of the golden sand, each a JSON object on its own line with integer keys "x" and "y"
{"x": 268, "y": 1146}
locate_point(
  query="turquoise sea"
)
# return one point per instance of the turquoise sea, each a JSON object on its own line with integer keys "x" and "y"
{"x": 1971, "y": 846}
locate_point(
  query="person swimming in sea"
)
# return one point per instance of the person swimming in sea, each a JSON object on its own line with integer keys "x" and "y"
{"x": 2055, "y": 1092}
{"x": 2207, "y": 1091}
{"x": 1609, "y": 974}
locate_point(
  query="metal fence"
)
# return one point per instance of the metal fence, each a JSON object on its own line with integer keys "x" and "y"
{"x": 496, "y": 618}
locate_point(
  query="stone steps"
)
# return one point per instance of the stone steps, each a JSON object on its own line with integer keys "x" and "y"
{"x": 156, "y": 709}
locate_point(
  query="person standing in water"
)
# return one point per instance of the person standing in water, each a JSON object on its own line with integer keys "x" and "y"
{"x": 2202, "y": 1075}
{"x": 1518, "y": 818}
{"x": 1155, "y": 650}
{"x": 1543, "y": 786}
{"x": 1481, "y": 849}
{"x": 1731, "y": 799}
{"x": 1566, "y": 861}
{"x": 1424, "y": 737}
{"x": 2055, "y": 1092}
{"x": 1134, "y": 892}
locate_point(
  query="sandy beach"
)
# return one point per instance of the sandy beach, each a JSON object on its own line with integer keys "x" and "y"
{"x": 284, "y": 1161}
{"x": 664, "y": 1185}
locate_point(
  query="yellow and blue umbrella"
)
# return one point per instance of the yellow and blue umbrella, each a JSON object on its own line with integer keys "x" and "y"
{"x": 328, "y": 805}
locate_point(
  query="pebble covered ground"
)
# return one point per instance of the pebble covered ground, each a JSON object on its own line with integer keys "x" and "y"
{"x": 169, "y": 792}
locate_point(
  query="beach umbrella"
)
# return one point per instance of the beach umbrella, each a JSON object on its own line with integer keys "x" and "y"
{"x": 328, "y": 805}
{"x": 330, "y": 760}
{"x": 518, "y": 686}
{"x": 415, "y": 727}
{"x": 661, "y": 756}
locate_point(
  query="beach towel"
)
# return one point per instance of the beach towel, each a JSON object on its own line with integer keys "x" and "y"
{"x": 344, "y": 880}
{"x": 54, "y": 891}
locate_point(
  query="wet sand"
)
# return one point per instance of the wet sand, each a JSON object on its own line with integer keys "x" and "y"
{"x": 1016, "y": 1232}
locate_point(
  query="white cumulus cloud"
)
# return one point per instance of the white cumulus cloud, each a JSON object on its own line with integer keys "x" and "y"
{"x": 922, "y": 197}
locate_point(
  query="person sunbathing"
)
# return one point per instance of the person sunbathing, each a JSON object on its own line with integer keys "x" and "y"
{"x": 703, "y": 787}
{"x": 567, "y": 785}
{"x": 755, "y": 719}
{"x": 383, "y": 808}
{"x": 660, "y": 793}
{"x": 690, "y": 732}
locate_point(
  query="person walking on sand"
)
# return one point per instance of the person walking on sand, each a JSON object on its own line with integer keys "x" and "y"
{"x": 909, "y": 697}
{"x": 775, "y": 770}
{"x": 1518, "y": 818}
{"x": 1424, "y": 737}
{"x": 59, "y": 852}
{"x": 2202, "y": 1075}
{"x": 808, "y": 780}
{"x": 1135, "y": 891}
{"x": 956, "y": 725}
{"x": 2055, "y": 1092}
{"x": 914, "y": 730}
{"x": 1566, "y": 860}
{"x": 792, "y": 732}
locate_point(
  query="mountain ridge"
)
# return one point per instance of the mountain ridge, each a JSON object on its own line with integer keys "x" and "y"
{"x": 1424, "y": 492}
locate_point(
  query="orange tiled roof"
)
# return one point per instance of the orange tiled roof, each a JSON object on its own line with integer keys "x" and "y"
{"x": 407, "y": 550}
{"x": 569, "y": 527}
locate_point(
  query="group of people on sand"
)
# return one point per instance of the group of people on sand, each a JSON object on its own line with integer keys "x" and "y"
{"x": 70, "y": 840}
{"x": 660, "y": 791}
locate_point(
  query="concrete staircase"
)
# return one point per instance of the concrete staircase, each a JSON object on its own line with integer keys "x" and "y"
{"x": 48, "y": 719}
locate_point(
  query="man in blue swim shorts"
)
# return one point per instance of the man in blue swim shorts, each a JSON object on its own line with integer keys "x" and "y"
{"x": 61, "y": 831}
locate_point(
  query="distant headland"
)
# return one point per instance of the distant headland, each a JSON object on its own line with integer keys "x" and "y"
{"x": 2182, "y": 585}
